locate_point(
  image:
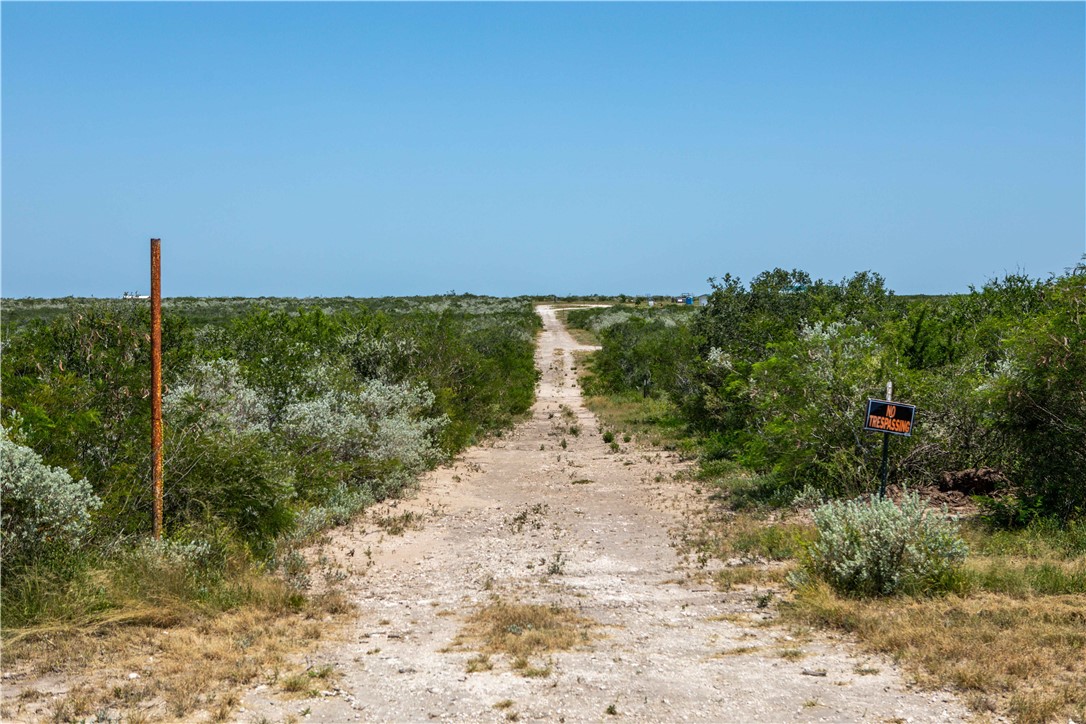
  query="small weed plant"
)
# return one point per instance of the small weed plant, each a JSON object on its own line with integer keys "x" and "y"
{"x": 398, "y": 524}
{"x": 556, "y": 566}
{"x": 875, "y": 547}
{"x": 531, "y": 517}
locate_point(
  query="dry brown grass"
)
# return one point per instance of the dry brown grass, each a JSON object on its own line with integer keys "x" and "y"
{"x": 480, "y": 662}
{"x": 1025, "y": 657}
{"x": 198, "y": 665}
{"x": 760, "y": 576}
{"x": 522, "y": 631}
{"x": 738, "y": 651}
{"x": 792, "y": 654}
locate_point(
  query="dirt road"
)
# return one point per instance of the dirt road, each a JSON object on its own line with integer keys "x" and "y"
{"x": 528, "y": 518}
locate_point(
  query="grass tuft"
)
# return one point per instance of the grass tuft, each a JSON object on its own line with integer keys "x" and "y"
{"x": 478, "y": 663}
{"x": 522, "y": 631}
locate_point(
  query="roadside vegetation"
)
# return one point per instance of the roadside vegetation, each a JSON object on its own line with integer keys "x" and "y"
{"x": 974, "y": 577}
{"x": 282, "y": 418}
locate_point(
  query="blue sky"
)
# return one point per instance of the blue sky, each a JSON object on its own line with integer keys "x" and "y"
{"x": 387, "y": 149}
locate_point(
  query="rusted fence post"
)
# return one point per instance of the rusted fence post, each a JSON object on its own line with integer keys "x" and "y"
{"x": 156, "y": 384}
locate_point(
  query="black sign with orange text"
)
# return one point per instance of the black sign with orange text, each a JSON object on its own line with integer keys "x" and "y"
{"x": 892, "y": 417}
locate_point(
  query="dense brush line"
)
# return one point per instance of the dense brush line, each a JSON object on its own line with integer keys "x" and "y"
{"x": 774, "y": 374}
{"x": 280, "y": 418}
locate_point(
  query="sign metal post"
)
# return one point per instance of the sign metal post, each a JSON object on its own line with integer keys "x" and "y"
{"x": 889, "y": 418}
{"x": 884, "y": 471}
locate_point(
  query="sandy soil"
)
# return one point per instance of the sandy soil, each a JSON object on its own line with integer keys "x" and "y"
{"x": 587, "y": 529}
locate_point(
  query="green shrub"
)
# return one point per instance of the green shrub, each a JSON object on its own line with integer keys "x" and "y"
{"x": 807, "y": 399}
{"x": 227, "y": 480}
{"x": 1041, "y": 405}
{"x": 875, "y": 547}
{"x": 642, "y": 354}
{"x": 42, "y": 509}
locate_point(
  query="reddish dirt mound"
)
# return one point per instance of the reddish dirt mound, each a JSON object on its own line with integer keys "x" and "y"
{"x": 974, "y": 481}
{"x": 955, "y": 500}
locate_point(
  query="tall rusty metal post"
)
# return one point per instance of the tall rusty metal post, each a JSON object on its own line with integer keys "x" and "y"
{"x": 156, "y": 384}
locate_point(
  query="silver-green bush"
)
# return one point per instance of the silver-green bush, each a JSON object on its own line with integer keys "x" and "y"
{"x": 875, "y": 547}
{"x": 41, "y": 507}
{"x": 381, "y": 421}
{"x": 216, "y": 398}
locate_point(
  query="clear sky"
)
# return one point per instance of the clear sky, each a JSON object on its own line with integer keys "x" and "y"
{"x": 377, "y": 149}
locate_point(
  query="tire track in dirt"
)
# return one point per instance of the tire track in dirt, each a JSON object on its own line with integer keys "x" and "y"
{"x": 587, "y": 529}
